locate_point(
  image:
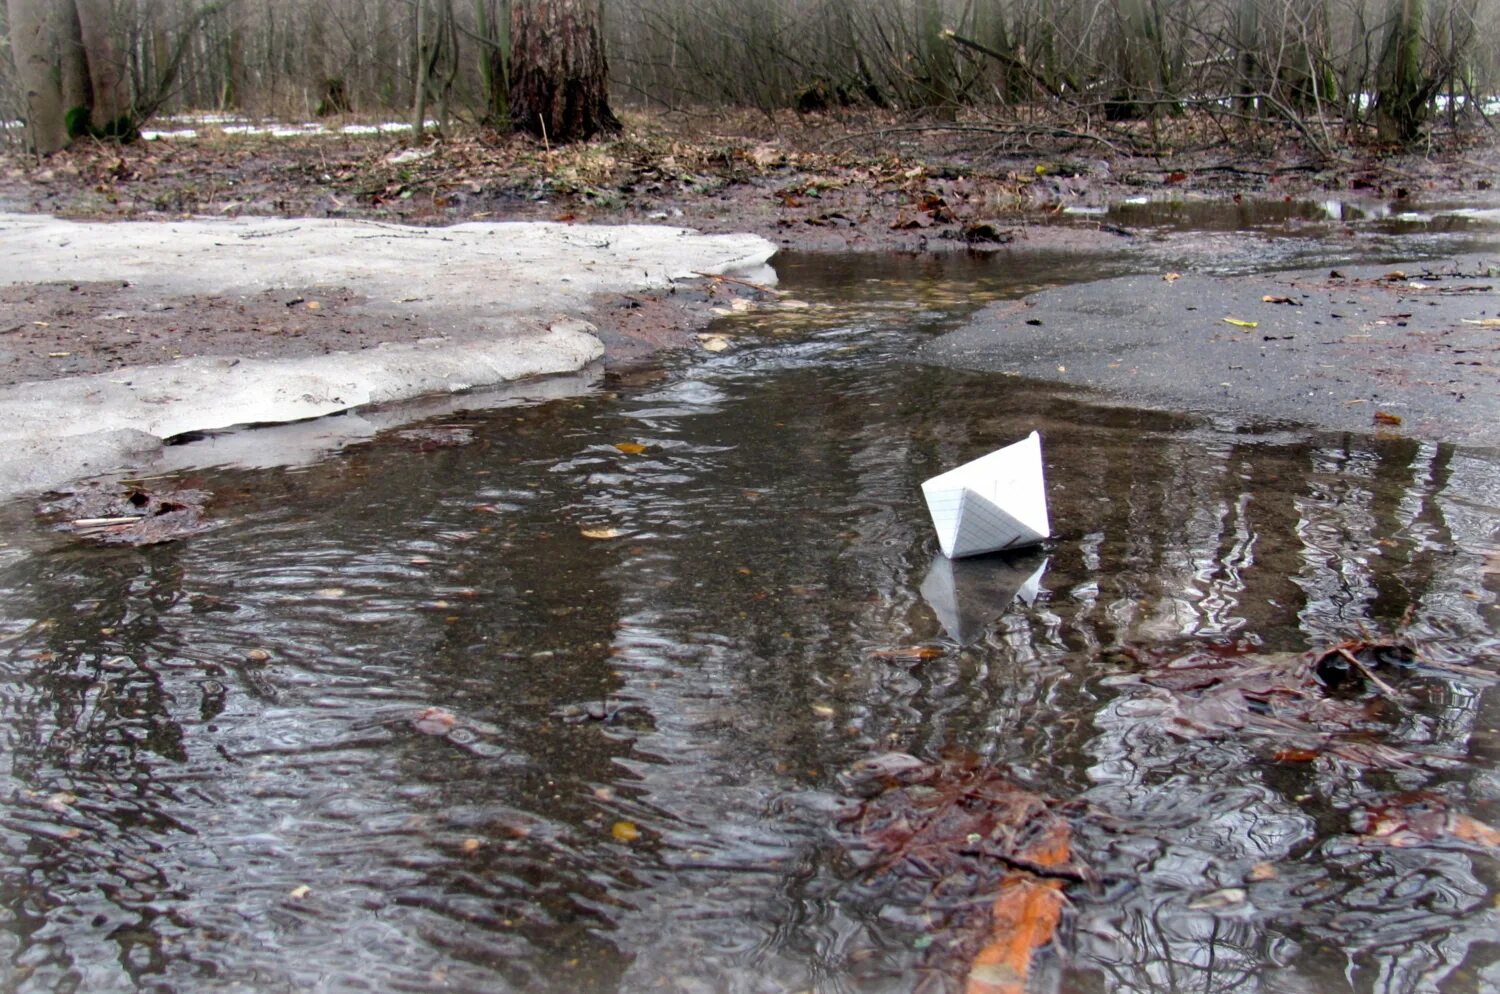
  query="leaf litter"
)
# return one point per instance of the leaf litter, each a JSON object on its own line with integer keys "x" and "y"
{"x": 979, "y": 865}
{"x": 1338, "y": 702}
{"x": 981, "y": 861}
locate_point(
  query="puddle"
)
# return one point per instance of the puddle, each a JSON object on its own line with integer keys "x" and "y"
{"x": 1220, "y": 237}
{"x": 566, "y": 708}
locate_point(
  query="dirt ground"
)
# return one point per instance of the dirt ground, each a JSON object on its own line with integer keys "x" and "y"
{"x": 851, "y": 183}
{"x": 53, "y": 330}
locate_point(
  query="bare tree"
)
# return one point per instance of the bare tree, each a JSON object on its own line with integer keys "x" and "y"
{"x": 1404, "y": 90}
{"x": 36, "y": 42}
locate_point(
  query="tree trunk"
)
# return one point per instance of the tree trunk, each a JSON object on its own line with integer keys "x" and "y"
{"x": 937, "y": 60}
{"x": 73, "y": 72}
{"x": 559, "y": 78}
{"x": 36, "y": 52}
{"x": 1401, "y": 92}
{"x": 419, "y": 97}
{"x": 494, "y": 59}
{"x": 109, "y": 109}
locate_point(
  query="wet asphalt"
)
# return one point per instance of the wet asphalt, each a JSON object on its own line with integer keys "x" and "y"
{"x": 1406, "y": 348}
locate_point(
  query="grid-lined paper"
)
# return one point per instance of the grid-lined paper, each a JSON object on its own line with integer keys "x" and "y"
{"x": 996, "y": 502}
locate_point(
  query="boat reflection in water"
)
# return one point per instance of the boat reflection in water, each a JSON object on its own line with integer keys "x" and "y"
{"x": 968, "y": 594}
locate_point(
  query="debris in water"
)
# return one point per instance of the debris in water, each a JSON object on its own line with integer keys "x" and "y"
{"x": 438, "y": 437}
{"x": 1418, "y": 817}
{"x": 112, "y": 514}
{"x": 434, "y": 721}
{"x": 958, "y": 834}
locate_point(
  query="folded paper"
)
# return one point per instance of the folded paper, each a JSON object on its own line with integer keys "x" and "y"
{"x": 996, "y": 502}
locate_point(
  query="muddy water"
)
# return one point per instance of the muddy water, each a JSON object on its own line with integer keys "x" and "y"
{"x": 402, "y": 725}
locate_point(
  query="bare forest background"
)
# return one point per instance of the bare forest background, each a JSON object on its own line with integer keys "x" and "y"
{"x": 1329, "y": 71}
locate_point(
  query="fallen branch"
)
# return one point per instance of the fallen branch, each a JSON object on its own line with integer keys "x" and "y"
{"x": 761, "y": 287}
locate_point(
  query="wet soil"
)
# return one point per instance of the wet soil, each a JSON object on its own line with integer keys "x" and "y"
{"x": 54, "y": 330}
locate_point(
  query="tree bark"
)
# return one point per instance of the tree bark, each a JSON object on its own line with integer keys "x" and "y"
{"x": 109, "y": 108}
{"x": 34, "y": 40}
{"x": 422, "y": 64}
{"x": 559, "y": 77}
{"x": 1401, "y": 91}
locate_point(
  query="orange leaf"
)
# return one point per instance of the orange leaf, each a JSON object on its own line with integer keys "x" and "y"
{"x": 1024, "y": 918}
{"x": 1382, "y": 418}
{"x": 625, "y": 831}
{"x": 630, "y": 448}
{"x": 1470, "y": 830}
{"x": 908, "y": 653}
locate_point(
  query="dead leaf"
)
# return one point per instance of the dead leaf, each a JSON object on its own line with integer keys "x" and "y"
{"x": 434, "y": 721}
{"x": 965, "y": 830}
{"x": 62, "y": 800}
{"x": 715, "y": 343}
{"x": 1261, "y": 872}
{"x": 1470, "y": 830}
{"x": 908, "y": 653}
{"x": 1172, "y": 277}
{"x": 630, "y": 448}
{"x": 625, "y": 831}
{"x": 299, "y": 892}
{"x": 1218, "y": 900}
{"x": 1384, "y": 418}
{"x": 601, "y": 533}
{"x": 1271, "y": 299}
{"x": 1242, "y": 324}
{"x": 1418, "y": 817}
{"x": 1483, "y": 322}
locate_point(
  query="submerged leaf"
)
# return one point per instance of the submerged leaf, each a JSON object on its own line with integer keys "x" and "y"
{"x": 434, "y": 721}
{"x": 995, "y": 853}
{"x": 908, "y": 653}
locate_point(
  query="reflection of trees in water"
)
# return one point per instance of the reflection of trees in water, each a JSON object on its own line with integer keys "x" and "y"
{"x": 90, "y": 721}
{"x": 773, "y": 537}
{"x": 1369, "y": 536}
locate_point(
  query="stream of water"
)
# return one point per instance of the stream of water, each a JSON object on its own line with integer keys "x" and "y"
{"x": 401, "y": 724}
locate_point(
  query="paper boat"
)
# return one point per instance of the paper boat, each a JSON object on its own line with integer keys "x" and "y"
{"x": 996, "y": 502}
{"x": 966, "y": 596}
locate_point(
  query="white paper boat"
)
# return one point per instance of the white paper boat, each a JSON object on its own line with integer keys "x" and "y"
{"x": 967, "y": 595}
{"x": 996, "y": 502}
